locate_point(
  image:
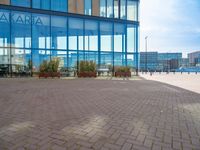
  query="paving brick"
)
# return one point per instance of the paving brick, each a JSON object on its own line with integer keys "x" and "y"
{"x": 126, "y": 146}
{"x": 56, "y": 147}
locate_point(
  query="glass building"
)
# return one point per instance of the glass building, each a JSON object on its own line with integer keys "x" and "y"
{"x": 31, "y": 31}
{"x": 148, "y": 61}
{"x": 154, "y": 61}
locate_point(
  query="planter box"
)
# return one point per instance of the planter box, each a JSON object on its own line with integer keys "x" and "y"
{"x": 122, "y": 74}
{"x": 49, "y": 74}
{"x": 87, "y": 74}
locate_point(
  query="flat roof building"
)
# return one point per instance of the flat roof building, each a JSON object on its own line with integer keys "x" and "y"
{"x": 104, "y": 31}
{"x": 154, "y": 61}
{"x": 194, "y": 58}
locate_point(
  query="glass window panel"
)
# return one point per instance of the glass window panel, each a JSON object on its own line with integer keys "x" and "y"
{"x": 130, "y": 60}
{"x": 4, "y": 28}
{"x": 95, "y": 7}
{"x": 106, "y": 59}
{"x": 41, "y": 31}
{"x": 103, "y": 8}
{"x": 119, "y": 59}
{"x": 19, "y": 42}
{"x": 4, "y": 59}
{"x": 80, "y": 6}
{"x": 110, "y": 8}
{"x": 91, "y": 35}
{"x": 81, "y": 56}
{"x": 59, "y": 5}
{"x": 38, "y": 56}
{"x": 72, "y": 6}
{"x": 73, "y": 59}
{"x": 75, "y": 34}
{"x": 1, "y": 42}
{"x": 119, "y": 38}
{"x": 41, "y": 4}
{"x": 106, "y": 36}
{"x": 6, "y": 2}
{"x": 58, "y": 32}
{"x": 80, "y": 42}
{"x": 131, "y": 38}
{"x": 21, "y": 30}
{"x": 116, "y": 8}
{"x": 123, "y": 9}
{"x": 91, "y": 56}
{"x": 73, "y": 42}
{"x": 61, "y": 56}
{"x": 23, "y": 3}
{"x": 132, "y": 10}
{"x": 21, "y": 61}
{"x": 88, "y": 7}
{"x": 28, "y": 42}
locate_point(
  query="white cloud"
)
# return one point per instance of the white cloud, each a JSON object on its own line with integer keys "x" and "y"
{"x": 171, "y": 25}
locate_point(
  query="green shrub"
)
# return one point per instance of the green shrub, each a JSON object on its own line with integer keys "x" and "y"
{"x": 51, "y": 66}
{"x": 87, "y": 66}
{"x": 44, "y": 66}
{"x": 122, "y": 69}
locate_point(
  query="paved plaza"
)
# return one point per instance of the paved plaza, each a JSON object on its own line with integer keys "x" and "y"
{"x": 83, "y": 114}
{"x": 189, "y": 81}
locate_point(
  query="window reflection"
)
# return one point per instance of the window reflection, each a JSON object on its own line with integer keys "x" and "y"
{"x": 123, "y": 9}
{"x": 88, "y": 7}
{"x": 110, "y": 8}
{"x": 23, "y": 3}
{"x": 132, "y": 10}
{"x": 59, "y": 5}
{"x": 103, "y": 8}
{"x": 41, "y": 4}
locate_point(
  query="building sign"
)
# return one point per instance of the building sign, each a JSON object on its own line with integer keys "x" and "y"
{"x": 21, "y": 18}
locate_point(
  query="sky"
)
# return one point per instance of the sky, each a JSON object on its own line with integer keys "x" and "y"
{"x": 171, "y": 25}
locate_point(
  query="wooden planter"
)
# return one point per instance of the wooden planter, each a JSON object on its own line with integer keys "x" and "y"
{"x": 87, "y": 74}
{"x": 122, "y": 74}
{"x": 49, "y": 74}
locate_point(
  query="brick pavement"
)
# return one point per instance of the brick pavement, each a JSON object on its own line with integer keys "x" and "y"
{"x": 85, "y": 114}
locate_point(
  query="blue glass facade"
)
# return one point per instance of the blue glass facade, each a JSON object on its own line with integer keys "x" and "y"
{"x": 38, "y": 30}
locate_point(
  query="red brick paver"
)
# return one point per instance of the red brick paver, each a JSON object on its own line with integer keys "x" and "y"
{"x": 86, "y": 114}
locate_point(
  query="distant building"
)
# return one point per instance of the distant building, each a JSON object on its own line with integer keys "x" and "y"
{"x": 194, "y": 58}
{"x": 169, "y": 61}
{"x": 184, "y": 63}
{"x": 148, "y": 61}
{"x": 154, "y": 61}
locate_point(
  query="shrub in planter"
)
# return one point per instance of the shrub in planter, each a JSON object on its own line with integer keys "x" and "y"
{"x": 87, "y": 69}
{"x": 122, "y": 71}
{"x": 49, "y": 69}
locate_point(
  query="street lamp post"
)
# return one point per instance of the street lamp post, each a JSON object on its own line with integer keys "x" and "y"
{"x": 146, "y": 53}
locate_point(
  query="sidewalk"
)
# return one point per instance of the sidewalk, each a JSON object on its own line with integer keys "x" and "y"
{"x": 187, "y": 81}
